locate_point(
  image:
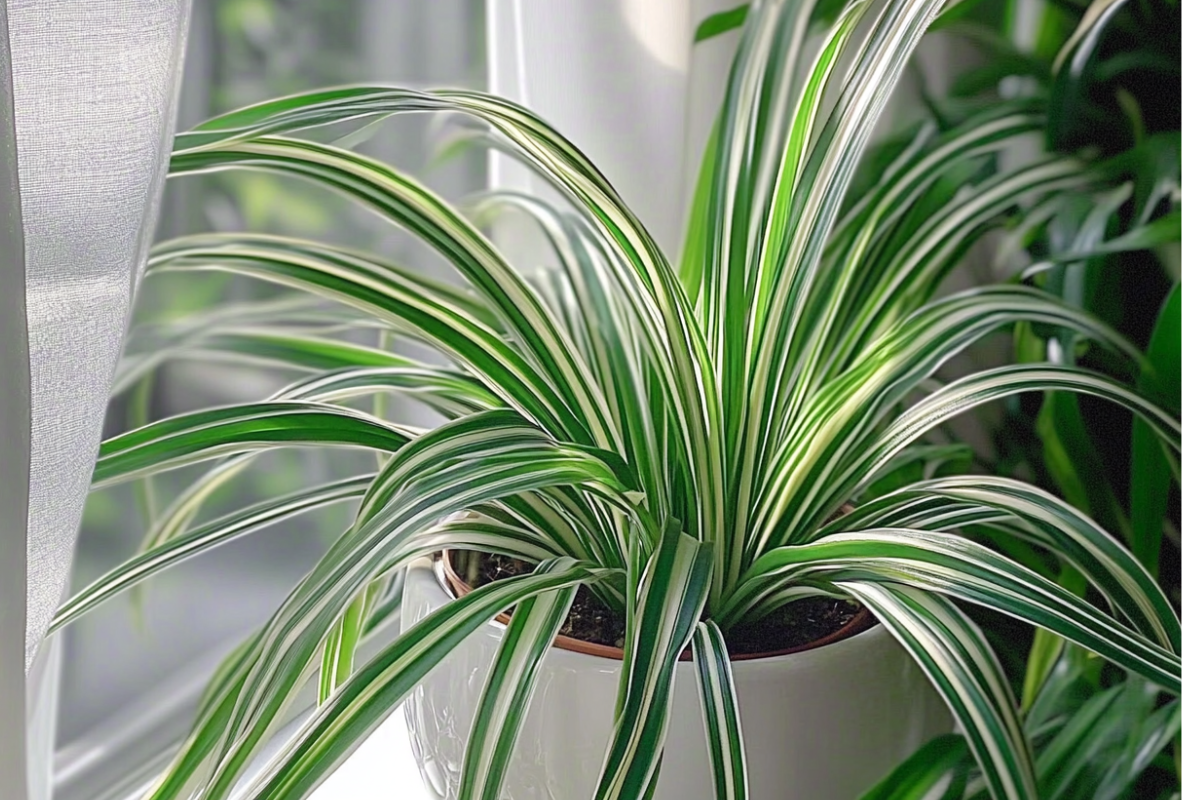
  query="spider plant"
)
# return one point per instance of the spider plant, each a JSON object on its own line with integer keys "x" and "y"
{"x": 676, "y": 437}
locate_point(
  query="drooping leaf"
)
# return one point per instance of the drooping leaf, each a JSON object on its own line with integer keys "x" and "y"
{"x": 954, "y": 654}
{"x": 204, "y": 435}
{"x": 719, "y": 707}
{"x": 373, "y": 692}
{"x": 509, "y": 687}
{"x": 670, "y": 602}
{"x": 203, "y": 538}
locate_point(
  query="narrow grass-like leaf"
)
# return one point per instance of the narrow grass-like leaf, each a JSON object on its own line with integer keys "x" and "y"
{"x": 151, "y": 344}
{"x": 656, "y": 297}
{"x": 1084, "y": 738}
{"x": 399, "y": 198}
{"x": 1085, "y": 37}
{"x": 920, "y": 774}
{"x": 340, "y": 276}
{"x": 849, "y": 409}
{"x": 943, "y": 503}
{"x": 747, "y": 268}
{"x": 509, "y": 686}
{"x": 611, "y": 342}
{"x": 363, "y": 702}
{"x": 204, "y": 538}
{"x": 601, "y": 408}
{"x": 1149, "y": 493}
{"x": 204, "y": 435}
{"x": 670, "y": 601}
{"x": 1145, "y": 742}
{"x": 445, "y": 391}
{"x": 963, "y": 569}
{"x": 892, "y": 35}
{"x": 460, "y": 465}
{"x": 958, "y": 660}
{"x": 719, "y": 708}
{"x": 189, "y": 501}
{"x": 337, "y": 662}
{"x": 986, "y": 386}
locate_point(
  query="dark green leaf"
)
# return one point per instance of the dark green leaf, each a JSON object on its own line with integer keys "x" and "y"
{"x": 1150, "y": 472}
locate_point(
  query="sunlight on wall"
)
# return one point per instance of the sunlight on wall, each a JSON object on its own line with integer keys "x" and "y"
{"x": 663, "y": 28}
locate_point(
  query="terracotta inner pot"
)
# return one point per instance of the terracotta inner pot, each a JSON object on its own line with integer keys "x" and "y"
{"x": 861, "y": 621}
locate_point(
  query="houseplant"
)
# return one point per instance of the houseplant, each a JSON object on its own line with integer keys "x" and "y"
{"x": 1098, "y": 731}
{"x": 681, "y": 442}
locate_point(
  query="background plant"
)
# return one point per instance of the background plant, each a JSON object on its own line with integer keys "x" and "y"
{"x": 1114, "y": 97}
{"x": 677, "y": 441}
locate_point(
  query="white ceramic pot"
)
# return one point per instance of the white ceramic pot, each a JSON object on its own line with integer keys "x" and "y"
{"x": 822, "y": 724}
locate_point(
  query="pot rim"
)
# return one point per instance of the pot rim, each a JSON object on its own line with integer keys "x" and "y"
{"x": 456, "y": 587}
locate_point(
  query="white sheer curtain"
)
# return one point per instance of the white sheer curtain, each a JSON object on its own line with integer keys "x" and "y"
{"x": 89, "y": 89}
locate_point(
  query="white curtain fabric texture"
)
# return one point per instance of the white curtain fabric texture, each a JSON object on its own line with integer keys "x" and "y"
{"x": 88, "y": 105}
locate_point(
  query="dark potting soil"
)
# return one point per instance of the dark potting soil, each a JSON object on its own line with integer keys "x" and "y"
{"x": 589, "y": 620}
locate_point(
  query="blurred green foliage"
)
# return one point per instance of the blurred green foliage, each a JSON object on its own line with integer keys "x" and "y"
{"x": 1111, "y": 96}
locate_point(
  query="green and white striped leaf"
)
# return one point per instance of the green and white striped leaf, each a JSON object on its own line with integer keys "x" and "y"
{"x": 458, "y": 466}
{"x": 509, "y": 687}
{"x": 958, "y": 567}
{"x": 953, "y": 653}
{"x": 367, "y": 698}
{"x": 204, "y": 435}
{"x": 445, "y": 391}
{"x": 189, "y": 501}
{"x": 365, "y": 285}
{"x": 401, "y": 199}
{"x": 986, "y": 386}
{"x": 948, "y": 503}
{"x": 719, "y": 708}
{"x": 775, "y": 310}
{"x": 669, "y": 603}
{"x": 613, "y": 344}
{"x": 849, "y": 409}
{"x": 603, "y": 406}
{"x": 151, "y": 344}
{"x": 657, "y": 299}
{"x": 203, "y": 538}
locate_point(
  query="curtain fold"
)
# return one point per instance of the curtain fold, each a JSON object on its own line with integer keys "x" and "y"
{"x": 14, "y": 440}
{"x": 89, "y": 102}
